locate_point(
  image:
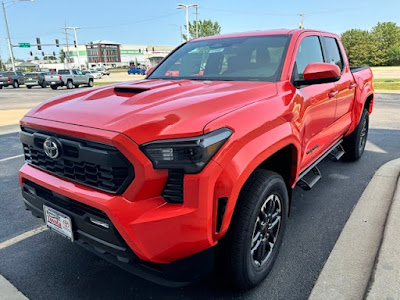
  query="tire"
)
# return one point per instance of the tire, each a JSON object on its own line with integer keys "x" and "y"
{"x": 69, "y": 84}
{"x": 76, "y": 85}
{"x": 247, "y": 260}
{"x": 90, "y": 83}
{"x": 43, "y": 85}
{"x": 53, "y": 87}
{"x": 29, "y": 87}
{"x": 15, "y": 84}
{"x": 1, "y": 86}
{"x": 354, "y": 144}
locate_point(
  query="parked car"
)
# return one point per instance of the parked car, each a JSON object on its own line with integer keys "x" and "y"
{"x": 96, "y": 74}
{"x": 69, "y": 78}
{"x": 166, "y": 176}
{"x": 136, "y": 71}
{"x": 15, "y": 79}
{"x": 35, "y": 79}
{"x": 104, "y": 71}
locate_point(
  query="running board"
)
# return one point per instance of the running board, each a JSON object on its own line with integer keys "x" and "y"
{"x": 337, "y": 153}
{"x": 313, "y": 173}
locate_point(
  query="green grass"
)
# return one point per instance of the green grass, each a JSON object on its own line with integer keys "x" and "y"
{"x": 118, "y": 70}
{"x": 387, "y": 80}
{"x": 103, "y": 83}
{"x": 393, "y": 86}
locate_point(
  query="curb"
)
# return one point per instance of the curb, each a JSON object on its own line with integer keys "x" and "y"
{"x": 349, "y": 271}
{"x": 8, "y": 291}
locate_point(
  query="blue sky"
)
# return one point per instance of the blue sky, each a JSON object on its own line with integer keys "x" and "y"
{"x": 157, "y": 21}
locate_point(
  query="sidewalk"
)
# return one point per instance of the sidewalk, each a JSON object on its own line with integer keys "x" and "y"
{"x": 365, "y": 262}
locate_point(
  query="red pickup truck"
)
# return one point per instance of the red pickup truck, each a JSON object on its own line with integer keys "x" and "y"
{"x": 168, "y": 175}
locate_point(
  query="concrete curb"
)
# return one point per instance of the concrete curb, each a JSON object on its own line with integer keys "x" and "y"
{"x": 8, "y": 291}
{"x": 348, "y": 270}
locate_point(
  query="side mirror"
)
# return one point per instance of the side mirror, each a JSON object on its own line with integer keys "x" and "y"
{"x": 148, "y": 71}
{"x": 317, "y": 73}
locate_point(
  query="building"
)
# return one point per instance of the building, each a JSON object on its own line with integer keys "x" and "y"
{"x": 113, "y": 54}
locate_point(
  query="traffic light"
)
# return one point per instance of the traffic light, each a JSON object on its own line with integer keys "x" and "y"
{"x": 39, "y": 46}
{"x": 75, "y": 43}
{"x": 57, "y": 43}
{"x": 42, "y": 53}
{"x": 31, "y": 53}
{"x": 54, "y": 54}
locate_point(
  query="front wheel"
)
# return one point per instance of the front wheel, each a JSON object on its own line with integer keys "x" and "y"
{"x": 90, "y": 83}
{"x": 70, "y": 85}
{"x": 257, "y": 229}
{"x": 53, "y": 87}
{"x": 44, "y": 85}
{"x": 354, "y": 144}
{"x": 15, "y": 84}
{"x": 29, "y": 87}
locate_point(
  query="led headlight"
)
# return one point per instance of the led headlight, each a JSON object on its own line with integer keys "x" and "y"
{"x": 188, "y": 154}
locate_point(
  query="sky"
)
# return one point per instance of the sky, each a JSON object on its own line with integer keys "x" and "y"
{"x": 158, "y": 21}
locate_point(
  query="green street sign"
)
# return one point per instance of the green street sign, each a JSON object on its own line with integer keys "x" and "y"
{"x": 24, "y": 45}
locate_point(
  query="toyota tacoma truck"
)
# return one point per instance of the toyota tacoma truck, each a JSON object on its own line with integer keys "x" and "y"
{"x": 173, "y": 174}
{"x": 14, "y": 79}
{"x": 70, "y": 78}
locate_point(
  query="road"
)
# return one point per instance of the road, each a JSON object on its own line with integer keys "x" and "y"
{"x": 48, "y": 266}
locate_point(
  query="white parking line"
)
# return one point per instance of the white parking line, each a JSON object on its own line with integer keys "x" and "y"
{"x": 22, "y": 237}
{"x": 11, "y": 157}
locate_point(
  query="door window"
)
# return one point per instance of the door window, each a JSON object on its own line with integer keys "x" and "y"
{"x": 309, "y": 51}
{"x": 334, "y": 55}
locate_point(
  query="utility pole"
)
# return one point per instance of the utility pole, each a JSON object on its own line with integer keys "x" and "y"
{"x": 301, "y": 24}
{"x": 8, "y": 37}
{"x": 76, "y": 43}
{"x": 181, "y": 6}
{"x": 66, "y": 40}
{"x": 197, "y": 22}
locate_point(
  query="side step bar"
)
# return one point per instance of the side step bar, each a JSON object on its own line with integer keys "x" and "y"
{"x": 310, "y": 176}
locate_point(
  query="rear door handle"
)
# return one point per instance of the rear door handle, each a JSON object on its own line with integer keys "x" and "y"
{"x": 332, "y": 94}
{"x": 352, "y": 85}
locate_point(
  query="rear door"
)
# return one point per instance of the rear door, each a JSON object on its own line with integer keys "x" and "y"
{"x": 317, "y": 102}
{"x": 345, "y": 86}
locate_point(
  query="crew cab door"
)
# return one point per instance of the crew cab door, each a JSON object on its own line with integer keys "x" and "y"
{"x": 345, "y": 86}
{"x": 317, "y": 103}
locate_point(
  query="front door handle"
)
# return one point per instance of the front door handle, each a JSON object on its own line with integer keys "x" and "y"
{"x": 333, "y": 94}
{"x": 352, "y": 85}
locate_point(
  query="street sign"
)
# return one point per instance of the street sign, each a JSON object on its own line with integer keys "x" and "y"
{"x": 24, "y": 45}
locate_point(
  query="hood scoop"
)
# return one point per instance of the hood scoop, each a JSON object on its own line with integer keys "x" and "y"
{"x": 125, "y": 90}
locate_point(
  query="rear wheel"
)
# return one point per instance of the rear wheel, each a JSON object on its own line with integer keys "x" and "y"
{"x": 90, "y": 83}
{"x": 354, "y": 144}
{"x": 44, "y": 85}
{"x": 257, "y": 229}
{"x": 70, "y": 85}
{"x": 15, "y": 84}
{"x": 53, "y": 87}
{"x": 28, "y": 86}
{"x": 76, "y": 85}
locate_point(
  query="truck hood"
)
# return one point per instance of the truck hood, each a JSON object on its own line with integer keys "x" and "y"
{"x": 153, "y": 109}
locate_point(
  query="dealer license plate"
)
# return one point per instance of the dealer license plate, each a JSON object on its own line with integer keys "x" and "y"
{"x": 58, "y": 222}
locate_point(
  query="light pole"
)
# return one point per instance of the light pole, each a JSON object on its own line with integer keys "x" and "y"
{"x": 181, "y": 6}
{"x": 76, "y": 42}
{"x": 8, "y": 32}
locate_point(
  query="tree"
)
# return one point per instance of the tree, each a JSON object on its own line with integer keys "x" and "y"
{"x": 206, "y": 28}
{"x": 36, "y": 58}
{"x": 394, "y": 55}
{"x": 384, "y": 35}
{"x": 358, "y": 44}
{"x": 62, "y": 56}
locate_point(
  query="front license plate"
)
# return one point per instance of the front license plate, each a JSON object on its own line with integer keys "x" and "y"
{"x": 58, "y": 222}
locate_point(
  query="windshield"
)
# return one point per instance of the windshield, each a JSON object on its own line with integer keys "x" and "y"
{"x": 256, "y": 58}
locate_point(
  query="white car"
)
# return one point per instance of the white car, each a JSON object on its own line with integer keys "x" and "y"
{"x": 94, "y": 73}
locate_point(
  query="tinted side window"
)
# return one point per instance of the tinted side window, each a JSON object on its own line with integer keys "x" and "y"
{"x": 74, "y": 72}
{"x": 19, "y": 73}
{"x": 334, "y": 56}
{"x": 310, "y": 51}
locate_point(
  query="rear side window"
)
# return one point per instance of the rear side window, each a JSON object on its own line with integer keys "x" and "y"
{"x": 334, "y": 55}
{"x": 309, "y": 51}
{"x": 63, "y": 72}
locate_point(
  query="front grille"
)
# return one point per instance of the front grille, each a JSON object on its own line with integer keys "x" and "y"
{"x": 90, "y": 163}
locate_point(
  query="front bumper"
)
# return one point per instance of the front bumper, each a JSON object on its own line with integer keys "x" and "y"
{"x": 155, "y": 231}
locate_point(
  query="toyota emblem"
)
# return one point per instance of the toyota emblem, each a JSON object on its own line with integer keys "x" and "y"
{"x": 52, "y": 148}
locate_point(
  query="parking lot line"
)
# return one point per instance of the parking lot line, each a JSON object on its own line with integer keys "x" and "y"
{"x": 22, "y": 237}
{"x": 11, "y": 157}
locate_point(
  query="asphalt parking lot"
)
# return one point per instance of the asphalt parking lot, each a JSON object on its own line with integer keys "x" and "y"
{"x": 48, "y": 266}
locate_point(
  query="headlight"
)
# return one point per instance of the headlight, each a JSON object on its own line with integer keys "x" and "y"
{"x": 189, "y": 154}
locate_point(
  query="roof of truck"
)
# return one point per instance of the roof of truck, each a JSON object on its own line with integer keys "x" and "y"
{"x": 261, "y": 32}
